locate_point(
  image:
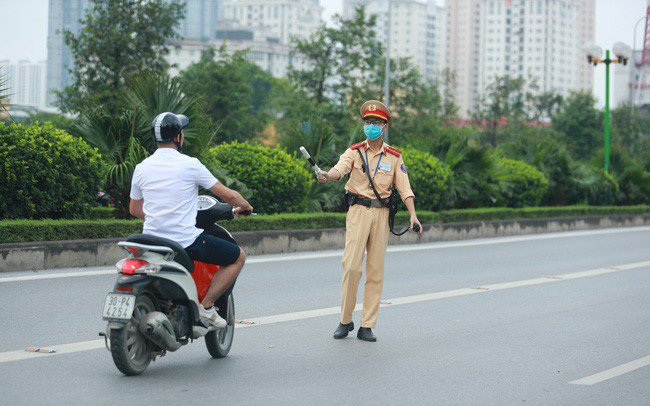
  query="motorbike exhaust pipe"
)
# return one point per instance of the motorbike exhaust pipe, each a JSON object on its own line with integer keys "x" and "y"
{"x": 157, "y": 328}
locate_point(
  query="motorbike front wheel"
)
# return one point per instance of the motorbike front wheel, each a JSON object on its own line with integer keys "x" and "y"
{"x": 218, "y": 342}
{"x": 130, "y": 349}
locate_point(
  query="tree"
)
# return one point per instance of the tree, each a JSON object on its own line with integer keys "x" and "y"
{"x": 4, "y": 95}
{"x": 334, "y": 60}
{"x": 447, "y": 90}
{"x": 580, "y": 124}
{"x": 543, "y": 106}
{"x": 415, "y": 103}
{"x": 236, "y": 93}
{"x": 503, "y": 101}
{"x": 119, "y": 38}
{"x": 629, "y": 128}
{"x": 124, "y": 137}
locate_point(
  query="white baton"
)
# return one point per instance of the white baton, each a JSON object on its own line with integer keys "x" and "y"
{"x": 311, "y": 160}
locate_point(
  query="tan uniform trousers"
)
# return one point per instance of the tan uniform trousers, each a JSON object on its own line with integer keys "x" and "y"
{"x": 366, "y": 228}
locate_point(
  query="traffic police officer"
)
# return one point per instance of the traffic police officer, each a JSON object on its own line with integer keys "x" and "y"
{"x": 366, "y": 225}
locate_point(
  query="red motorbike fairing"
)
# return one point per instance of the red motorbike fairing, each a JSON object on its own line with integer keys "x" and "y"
{"x": 202, "y": 275}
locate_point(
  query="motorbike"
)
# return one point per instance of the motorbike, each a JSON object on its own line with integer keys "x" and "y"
{"x": 153, "y": 308}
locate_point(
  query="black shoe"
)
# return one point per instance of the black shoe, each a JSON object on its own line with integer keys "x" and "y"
{"x": 365, "y": 334}
{"x": 343, "y": 329}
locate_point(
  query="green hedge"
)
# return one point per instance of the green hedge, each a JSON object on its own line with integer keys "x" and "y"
{"x": 46, "y": 173}
{"x": 428, "y": 177}
{"x": 97, "y": 213}
{"x": 279, "y": 181}
{"x": 12, "y": 231}
{"x": 504, "y": 213}
{"x": 523, "y": 184}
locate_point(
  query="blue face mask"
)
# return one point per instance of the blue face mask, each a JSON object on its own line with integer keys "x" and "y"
{"x": 372, "y": 131}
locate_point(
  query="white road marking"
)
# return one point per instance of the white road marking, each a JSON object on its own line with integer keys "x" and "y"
{"x": 22, "y": 355}
{"x": 338, "y": 253}
{"x": 329, "y": 311}
{"x": 613, "y": 372}
{"x": 57, "y": 275}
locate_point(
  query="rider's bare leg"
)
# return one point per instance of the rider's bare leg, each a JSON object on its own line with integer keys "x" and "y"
{"x": 223, "y": 279}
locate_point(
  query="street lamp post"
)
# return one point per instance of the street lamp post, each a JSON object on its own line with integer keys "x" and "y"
{"x": 387, "y": 67}
{"x": 594, "y": 54}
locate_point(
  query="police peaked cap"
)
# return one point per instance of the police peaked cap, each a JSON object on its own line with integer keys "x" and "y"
{"x": 375, "y": 108}
{"x": 166, "y": 126}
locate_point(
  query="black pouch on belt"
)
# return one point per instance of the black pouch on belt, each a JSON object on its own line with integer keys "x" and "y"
{"x": 350, "y": 199}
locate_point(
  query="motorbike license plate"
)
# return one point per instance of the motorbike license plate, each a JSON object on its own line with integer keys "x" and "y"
{"x": 118, "y": 306}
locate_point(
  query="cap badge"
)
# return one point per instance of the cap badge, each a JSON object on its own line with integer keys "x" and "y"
{"x": 372, "y": 107}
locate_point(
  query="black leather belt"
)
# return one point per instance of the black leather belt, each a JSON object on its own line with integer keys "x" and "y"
{"x": 353, "y": 199}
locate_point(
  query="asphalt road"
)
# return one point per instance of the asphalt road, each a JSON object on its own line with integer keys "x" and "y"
{"x": 560, "y": 319}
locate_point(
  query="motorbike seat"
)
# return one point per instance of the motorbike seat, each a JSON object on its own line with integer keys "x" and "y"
{"x": 181, "y": 255}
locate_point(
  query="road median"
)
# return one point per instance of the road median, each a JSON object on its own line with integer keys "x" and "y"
{"x": 39, "y": 255}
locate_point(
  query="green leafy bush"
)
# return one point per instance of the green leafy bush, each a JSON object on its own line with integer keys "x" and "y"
{"x": 428, "y": 177}
{"x": 46, "y": 173}
{"x": 97, "y": 213}
{"x": 522, "y": 184}
{"x": 279, "y": 182}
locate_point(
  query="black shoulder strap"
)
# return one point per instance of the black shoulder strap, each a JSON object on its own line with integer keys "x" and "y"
{"x": 372, "y": 184}
{"x": 392, "y": 206}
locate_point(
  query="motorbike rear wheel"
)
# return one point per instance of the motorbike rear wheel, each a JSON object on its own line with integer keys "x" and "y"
{"x": 218, "y": 342}
{"x": 130, "y": 349}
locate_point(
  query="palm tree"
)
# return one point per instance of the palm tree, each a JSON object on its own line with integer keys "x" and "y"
{"x": 124, "y": 138}
{"x": 317, "y": 136}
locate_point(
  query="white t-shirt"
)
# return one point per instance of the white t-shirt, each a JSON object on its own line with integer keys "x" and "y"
{"x": 169, "y": 183}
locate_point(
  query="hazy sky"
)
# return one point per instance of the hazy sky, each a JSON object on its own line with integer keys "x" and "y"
{"x": 23, "y": 29}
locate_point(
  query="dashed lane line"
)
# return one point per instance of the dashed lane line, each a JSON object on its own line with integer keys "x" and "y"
{"x": 21, "y": 355}
{"x": 613, "y": 372}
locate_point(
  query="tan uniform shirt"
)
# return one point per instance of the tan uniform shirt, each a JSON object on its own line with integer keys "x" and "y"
{"x": 389, "y": 171}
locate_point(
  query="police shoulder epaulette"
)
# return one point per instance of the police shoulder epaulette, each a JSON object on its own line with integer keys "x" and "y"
{"x": 393, "y": 151}
{"x": 357, "y": 145}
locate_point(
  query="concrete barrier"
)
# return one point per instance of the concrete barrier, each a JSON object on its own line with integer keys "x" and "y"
{"x": 84, "y": 253}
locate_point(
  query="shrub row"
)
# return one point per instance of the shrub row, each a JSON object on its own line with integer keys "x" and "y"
{"x": 97, "y": 213}
{"x": 13, "y": 231}
{"x": 46, "y": 173}
{"x": 503, "y": 213}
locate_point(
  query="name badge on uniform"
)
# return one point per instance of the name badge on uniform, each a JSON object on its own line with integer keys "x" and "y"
{"x": 385, "y": 166}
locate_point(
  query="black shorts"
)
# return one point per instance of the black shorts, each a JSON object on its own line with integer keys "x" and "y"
{"x": 212, "y": 250}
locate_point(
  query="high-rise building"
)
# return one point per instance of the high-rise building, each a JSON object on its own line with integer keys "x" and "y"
{"x": 64, "y": 15}
{"x": 200, "y": 22}
{"x": 417, "y": 30}
{"x": 266, "y": 52}
{"x": 26, "y": 82}
{"x": 462, "y": 50}
{"x": 201, "y": 18}
{"x": 535, "y": 40}
{"x": 283, "y": 19}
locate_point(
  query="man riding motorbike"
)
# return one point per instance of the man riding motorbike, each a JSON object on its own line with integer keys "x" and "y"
{"x": 164, "y": 192}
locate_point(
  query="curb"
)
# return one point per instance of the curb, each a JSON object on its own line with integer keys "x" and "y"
{"x": 86, "y": 253}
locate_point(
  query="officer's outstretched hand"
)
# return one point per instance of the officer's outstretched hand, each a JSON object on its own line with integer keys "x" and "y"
{"x": 415, "y": 225}
{"x": 322, "y": 177}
